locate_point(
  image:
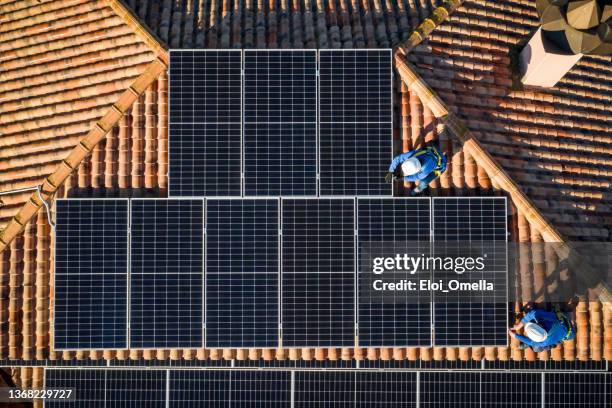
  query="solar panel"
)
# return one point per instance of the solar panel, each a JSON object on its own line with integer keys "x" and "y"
{"x": 387, "y": 227}
{"x": 473, "y": 226}
{"x": 324, "y": 389}
{"x": 385, "y": 389}
{"x": 242, "y": 266}
{"x": 355, "y": 115}
{"x": 136, "y": 388}
{"x": 318, "y": 273}
{"x": 166, "y": 273}
{"x": 280, "y": 117}
{"x": 109, "y": 388}
{"x": 449, "y": 389}
{"x": 577, "y": 390}
{"x": 205, "y": 123}
{"x": 89, "y": 387}
{"x": 230, "y": 388}
{"x": 90, "y": 302}
{"x": 511, "y": 390}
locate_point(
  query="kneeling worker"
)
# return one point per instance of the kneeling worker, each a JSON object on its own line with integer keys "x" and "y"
{"x": 543, "y": 330}
{"x": 422, "y": 165}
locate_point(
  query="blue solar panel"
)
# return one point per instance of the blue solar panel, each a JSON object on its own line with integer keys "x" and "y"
{"x": 324, "y": 389}
{"x": 449, "y": 389}
{"x": 387, "y": 227}
{"x": 204, "y": 159}
{"x": 205, "y": 123}
{"x": 473, "y": 226}
{"x": 109, "y": 388}
{"x": 205, "y": 86}
{"x": 166, "y": 273}
{"x": 90, "y": 303}
{"x": 242, "y": 262}
{"x": 511, "y": 390}
{"x": 241, "y": 389}
{"x": 356, "y": 117}
{"x": 577, "y": 390}
{"x": 318, "y": 272}
{"x": 280, "y": 101}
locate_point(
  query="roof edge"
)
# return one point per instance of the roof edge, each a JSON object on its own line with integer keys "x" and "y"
{"x": 85, "y": 146}
{"x": 132, "y": 21}
{"x": 496, "y": 173}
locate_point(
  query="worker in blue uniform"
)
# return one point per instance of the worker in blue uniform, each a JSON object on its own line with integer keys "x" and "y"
{"x": 543, "y": 329}
{"x": 422, "y": 165}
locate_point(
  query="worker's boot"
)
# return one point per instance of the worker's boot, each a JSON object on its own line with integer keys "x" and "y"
{"x": 418, "y": 190}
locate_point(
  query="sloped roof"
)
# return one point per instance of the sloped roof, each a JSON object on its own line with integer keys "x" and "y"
{"x": 63, "y": 64}
{"x": 555, "y": 143}
{"x": 132, "y": 161}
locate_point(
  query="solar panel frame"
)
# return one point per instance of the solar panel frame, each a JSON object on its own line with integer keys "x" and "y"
{"x": 60, "y": 202}
{"x": 268, "y": 118}
{"x": 371, "y": 185}
{"x": 374, "y": 328}
{"x": 296, "y": 273}
{"x": 498, "y": 331}
{"x": 244, "y": 255}
{"x": 194, "y": 281}
{"x": 231, "y": 125}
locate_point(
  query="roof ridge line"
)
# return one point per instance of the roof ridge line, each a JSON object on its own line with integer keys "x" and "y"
{"x": 422, "y": 31}
{"x": 82, "y": 149}
{"x": 140, "y": 29}
{"x": 495, "y": 171}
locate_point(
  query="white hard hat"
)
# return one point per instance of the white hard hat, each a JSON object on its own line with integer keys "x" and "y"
{"x": 535, "y": 332}
{"x": 411, "y": 166}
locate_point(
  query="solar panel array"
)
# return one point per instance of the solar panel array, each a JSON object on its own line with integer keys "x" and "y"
{"x": 461, "y": 226}
{"x": 91, "y": 266}
{"x": 318, "y": 272}
{"x": 205, "y": 95}
{"x": 242, "y": 273}
{"x": 277, "y": 272}
{"x": 274, "y": 148}
{"x": 333, "y": 388}
{"x": 355, "y": 121}
{"x": 280, "y": 121}
{"x": 386, "y": 227}
{"x": 166, "y": 273}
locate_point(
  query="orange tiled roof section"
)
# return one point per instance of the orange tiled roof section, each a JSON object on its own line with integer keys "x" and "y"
{"x": 62, "y": 66}
{"x": 556, "y": 143}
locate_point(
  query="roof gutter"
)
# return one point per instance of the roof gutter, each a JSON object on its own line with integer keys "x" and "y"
{"x": 498, "y": 175}
{"x": 84, "y": 148}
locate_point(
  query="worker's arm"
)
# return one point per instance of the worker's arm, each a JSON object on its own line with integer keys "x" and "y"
{"x": 529, "y": 316}
{"x": 399, "y": 159}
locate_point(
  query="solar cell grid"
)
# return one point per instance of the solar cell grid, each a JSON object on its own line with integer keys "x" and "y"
{"x": 205, "y": 86}
{"x": 449, "y": 389}
{"x": 355, "y": 122}
{"x": 324, "y": 389}
{"x": 385, "y": 389}
{"x": 89, "y": 387}
{"x": 577, "y": 390}
{"x": 205, "y": 93}
{"x": 204, "y": 159}
{"x": 242, "y": 259}
{"x": 90, "y": 302}
{"x": 135, "y": 389}
{"x": 280, "y": 97}
{"x": 166, "y": 273}
{"x": 386, "y": 227}
{"x": 318, "y": 266}
{"x": 475, "y": 227}
{"x": 511, "y": 390}
{"x": 209, "y": 388}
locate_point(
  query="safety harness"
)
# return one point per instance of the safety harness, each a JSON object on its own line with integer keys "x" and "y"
{"x": 436, "y": 154}
{"x": 565, "y": 321}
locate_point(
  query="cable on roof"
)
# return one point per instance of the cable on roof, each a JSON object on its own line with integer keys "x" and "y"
{"x": 45, "y": 204}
